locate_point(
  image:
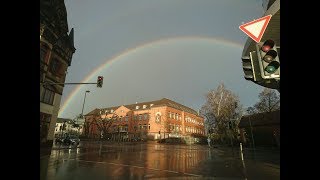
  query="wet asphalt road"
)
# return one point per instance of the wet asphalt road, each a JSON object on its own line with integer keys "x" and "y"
{"x": 149, "y": 160}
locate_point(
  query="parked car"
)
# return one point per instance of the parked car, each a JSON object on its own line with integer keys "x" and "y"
{"x": 74, "y": 140}
{"x": 68, "y": 140}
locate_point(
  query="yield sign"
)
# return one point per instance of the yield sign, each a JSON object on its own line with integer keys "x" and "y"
{"x": 256, "y": 28}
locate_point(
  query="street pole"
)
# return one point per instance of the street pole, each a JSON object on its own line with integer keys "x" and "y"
{"x": 84, "y": 100}
{"x": 254, "y": 150}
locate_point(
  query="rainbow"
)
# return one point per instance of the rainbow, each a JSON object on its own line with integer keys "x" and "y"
{"x": 127, "y": 52}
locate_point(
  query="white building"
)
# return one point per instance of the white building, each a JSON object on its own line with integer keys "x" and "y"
{"x": 66, "y": 126}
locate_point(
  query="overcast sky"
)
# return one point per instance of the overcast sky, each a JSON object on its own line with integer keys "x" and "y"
{"x": 150, "y": 49}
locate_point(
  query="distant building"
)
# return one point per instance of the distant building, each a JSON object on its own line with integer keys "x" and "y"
{"x": 265, "y": 129}
{"x": 148, "y": 120}
{"x": 56, "y": 50}
{"x": 66, "y": 126}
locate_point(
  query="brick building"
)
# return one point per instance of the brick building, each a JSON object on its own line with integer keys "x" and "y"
{"x": 56, "y": 50}
{"x": 147, "y": 120}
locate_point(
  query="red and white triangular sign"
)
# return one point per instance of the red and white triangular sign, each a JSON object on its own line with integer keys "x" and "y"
{"x": 256, "y": 28}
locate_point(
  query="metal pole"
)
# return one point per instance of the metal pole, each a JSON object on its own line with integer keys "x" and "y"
{"x": 254, "y": 150}
{"x": 84, "y": 100}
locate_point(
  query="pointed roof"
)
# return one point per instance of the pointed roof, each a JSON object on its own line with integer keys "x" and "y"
{"x": 71, "y": 39}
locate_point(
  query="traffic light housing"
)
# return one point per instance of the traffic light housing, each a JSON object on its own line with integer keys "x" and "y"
{"x": 268, "y": 58}
{"x": 99, "y": 81}
{"x": 251, "y": 67}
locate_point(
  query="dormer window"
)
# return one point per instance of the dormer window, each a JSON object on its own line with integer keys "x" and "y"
{"x": 137, "y": 107}
{"x": 111, "y": 111}
{"x": 144, "y": 106}
{"x": 151, "y": 105}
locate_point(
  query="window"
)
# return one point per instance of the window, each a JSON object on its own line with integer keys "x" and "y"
{"x": 177, "y": 117}
{"x": 135, "y": 117}
{"x": 145, "y": 116}
{"x": 158, "y": 118}
{"x": 127, "y": 118}
{"x": 151, "y": 105}
{"x": 149, "y": 126}
{"x": 169, "y": 115}
{"x": 144, "y": 106}
{"x": 47, "y": 96}
{"x": 140, "y": 117}
{"x": 111, "y": 110}
{"x": 54, "y": 66}
{"x": 137, "y": 107}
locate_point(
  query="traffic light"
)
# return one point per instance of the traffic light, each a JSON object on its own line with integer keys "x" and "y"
{"x": 100, "y": 81}
{"x": 251, "y": 67}
{"x": 268, "y": 59}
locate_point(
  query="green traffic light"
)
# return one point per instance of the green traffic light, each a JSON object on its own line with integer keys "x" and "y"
{"x": 272, "y": 67}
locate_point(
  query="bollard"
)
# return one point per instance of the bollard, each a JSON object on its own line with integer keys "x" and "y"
{"x": 243, "y": 164}
{"x": 241, "y": 153}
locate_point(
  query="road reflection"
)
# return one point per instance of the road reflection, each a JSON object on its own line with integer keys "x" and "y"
{"x": 131, "y": 161}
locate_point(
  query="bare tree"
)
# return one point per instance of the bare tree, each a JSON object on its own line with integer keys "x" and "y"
{"x": 86, "y": 128}
{"x": 269, "y": 101}
{"x": 104, "y": 123}
{"x": 221, "y": 106}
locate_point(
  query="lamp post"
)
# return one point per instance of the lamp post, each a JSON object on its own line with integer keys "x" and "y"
{"x": 84, "y": 100}
{"x": 81, "y": 115}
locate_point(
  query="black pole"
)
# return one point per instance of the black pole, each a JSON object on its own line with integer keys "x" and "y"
{"x": 254, "y": 150}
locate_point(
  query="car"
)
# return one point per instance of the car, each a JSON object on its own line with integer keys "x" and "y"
{"x": 74, "y": 140}
{"x": 68, "y": 140}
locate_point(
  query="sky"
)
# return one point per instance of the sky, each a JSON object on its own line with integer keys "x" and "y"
{"x": 152, "y": 49}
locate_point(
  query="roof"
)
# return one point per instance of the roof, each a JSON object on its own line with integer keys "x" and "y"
{"x": 261, "y": 119}
{"x": 93, "y": 112}
{"x": 62, "y": 120}
{"x": 157, "y": 103}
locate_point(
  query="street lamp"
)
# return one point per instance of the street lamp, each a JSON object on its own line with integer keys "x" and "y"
{"x": 84, "y": 100}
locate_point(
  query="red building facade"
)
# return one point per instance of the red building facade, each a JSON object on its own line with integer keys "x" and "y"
{"x": 148, "y": 120}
